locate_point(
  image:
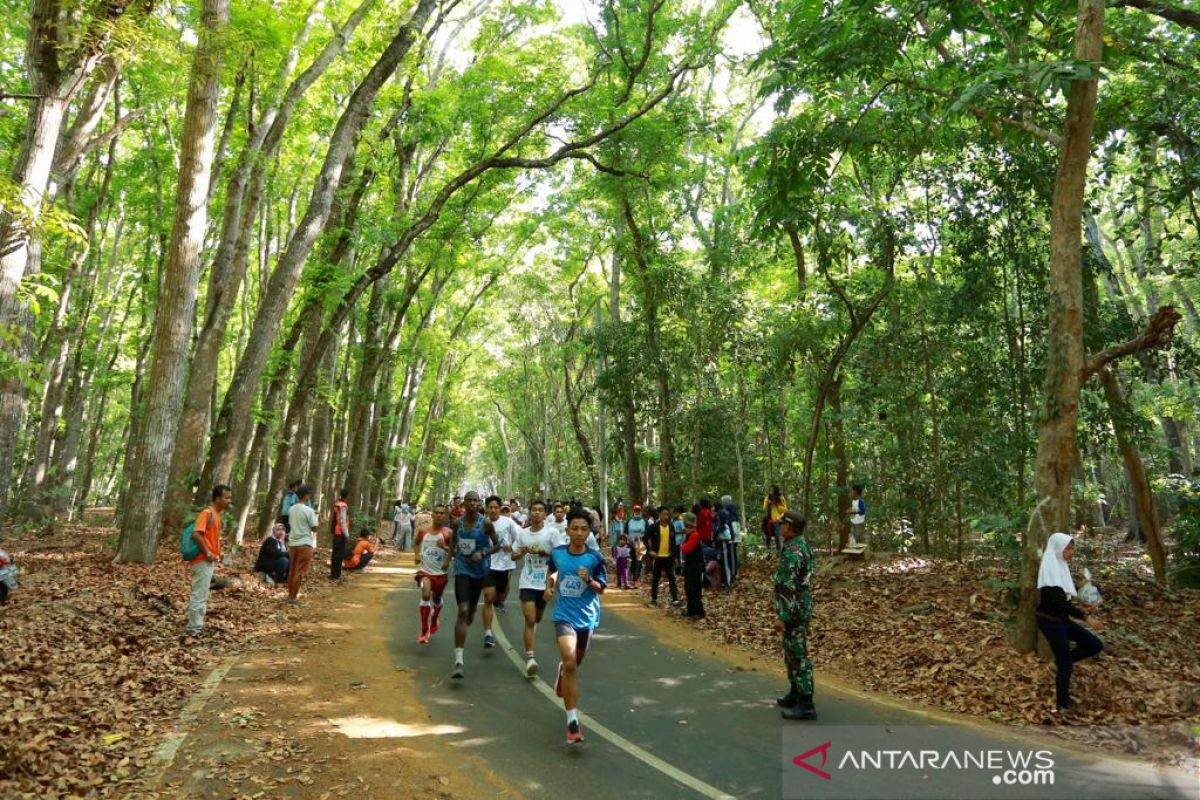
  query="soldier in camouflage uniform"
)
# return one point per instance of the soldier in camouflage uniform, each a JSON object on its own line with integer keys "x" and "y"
{"x": 793, "y": 607}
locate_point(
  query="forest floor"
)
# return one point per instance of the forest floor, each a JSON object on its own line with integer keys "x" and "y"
{"x": 95, "y": 669}
{"x": 94, "y": 672}
{"x": 934, "y": 632}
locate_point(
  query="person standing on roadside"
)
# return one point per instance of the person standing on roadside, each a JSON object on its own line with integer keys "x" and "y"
{"x": 661, "y": 547}
{"x": 793, "y": 612}
{"x": 693, "y": 568}
{"x": 207, "y": 534}
{"x": 340, "y": 528}
{"x": 301, "y": 541}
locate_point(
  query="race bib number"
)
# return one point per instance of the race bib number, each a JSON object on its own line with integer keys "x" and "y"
{"x": 537, "y": 569}
{"x": 571, "y": 586}
{"x": 466, "y": 547}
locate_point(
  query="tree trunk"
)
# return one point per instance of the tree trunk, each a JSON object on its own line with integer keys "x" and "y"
{"x": 143, "y": 505}
{"x": 364, "y": 402}
{"x": 1057, "y": 451}
{"x": 843, "y": 466}
{"x": 1141, "y": 495}
{"x": 232, "y": 423}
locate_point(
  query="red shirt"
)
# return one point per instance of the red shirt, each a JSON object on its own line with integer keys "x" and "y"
{"x": 704, "y": 524}
{"x": 341, "y": 518}
{"x": 692, "y": 542}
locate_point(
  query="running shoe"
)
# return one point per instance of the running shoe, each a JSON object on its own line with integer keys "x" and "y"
{"x": 500, "y": 609}
{"x": 531, "y": 668}
{"x": 574, "y": 733}
{"x": 489, "y": 641}
{"x": 459, "y": 672}
{"x": 422, "y": 638}
{"x": 558, "y": 683}
{"x": 433, "y": 629}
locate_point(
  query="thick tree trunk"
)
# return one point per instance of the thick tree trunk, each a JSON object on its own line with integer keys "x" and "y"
{"x": 1057, "y": 452}
{"x": 143, "y": 505}
{"x": 232, "y": 423}
{"x": 843, "y": 466}
{"x": 364, "y": 400}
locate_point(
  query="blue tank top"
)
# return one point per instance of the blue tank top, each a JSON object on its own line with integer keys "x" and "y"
{"x": 466, "y": 543}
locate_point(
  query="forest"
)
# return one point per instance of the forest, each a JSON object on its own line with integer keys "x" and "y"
{"x": 936, "y": 248}
{"x": 655, "y": 250}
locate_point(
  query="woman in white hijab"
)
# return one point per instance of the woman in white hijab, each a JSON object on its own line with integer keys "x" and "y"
{"x": 1056, "y": 614}
{"x": 273, "y": 561}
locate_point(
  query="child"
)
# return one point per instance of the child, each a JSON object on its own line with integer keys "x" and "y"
{"x": 621, "y": 554}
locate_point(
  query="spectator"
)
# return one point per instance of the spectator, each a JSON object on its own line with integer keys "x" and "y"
{"x": 693, "y": 567}
{"x": 704, "y": 520}
{"x": 402, "y": 526}
{"x": 774, "y": 507}
{"x": 1056, "y": 615}
{"x": 621, "y": 557}
{"x": 364, "y": 551}
{"x": 858, "y": 515}
{"x": 289, "y": 500}
{"x": 793, "y": 611}
{"x": 636, "y": 527}
{"x": 272, "y": 559}
{"x": 662, "y": 551}
{"x": 712, "y": 566}
{"x": 301, "y": 541}
{"x": 340, "y": 529}
{"x": 730, "y": 518}
{"x": 207, "y": 533}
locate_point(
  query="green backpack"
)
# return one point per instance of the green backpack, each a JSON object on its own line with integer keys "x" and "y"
{"x": 188, "y": 548}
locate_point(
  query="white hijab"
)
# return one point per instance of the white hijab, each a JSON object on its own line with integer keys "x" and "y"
{"x": 1054, "y": 570}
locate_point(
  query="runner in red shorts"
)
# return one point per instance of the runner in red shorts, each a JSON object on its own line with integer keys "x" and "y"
{"x": 432, "y": 549}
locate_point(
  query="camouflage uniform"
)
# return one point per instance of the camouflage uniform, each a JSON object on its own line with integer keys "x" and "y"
{"x": 794, "y": 605}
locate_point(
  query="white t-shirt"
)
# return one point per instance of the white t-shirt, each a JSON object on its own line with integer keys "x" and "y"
{"x": 433, "y": 557}
{"x": 859, "y": 511}
{"x": 562, "y": 538}
{"x": 535, "y": 566}
{"x": 303, "y": 521}
{"x": 558, "y": 526}
{"x": 506, "y": 533}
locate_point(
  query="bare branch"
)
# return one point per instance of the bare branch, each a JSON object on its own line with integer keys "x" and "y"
{"x": 1157, "y": 333}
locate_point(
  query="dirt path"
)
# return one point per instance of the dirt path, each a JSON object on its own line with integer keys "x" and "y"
{"x": 324, "y": 714}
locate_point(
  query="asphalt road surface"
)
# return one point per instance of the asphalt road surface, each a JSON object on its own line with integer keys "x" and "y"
{"x": 664, "y": 722}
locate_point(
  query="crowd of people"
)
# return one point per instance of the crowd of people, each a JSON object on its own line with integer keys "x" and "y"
{"x": 558, "y": 550}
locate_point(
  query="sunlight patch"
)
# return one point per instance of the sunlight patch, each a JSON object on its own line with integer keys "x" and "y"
{"x": 374, "y": 728}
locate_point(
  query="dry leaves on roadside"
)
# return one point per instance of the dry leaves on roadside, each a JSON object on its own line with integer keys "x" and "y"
{"x": 94, "y": 667}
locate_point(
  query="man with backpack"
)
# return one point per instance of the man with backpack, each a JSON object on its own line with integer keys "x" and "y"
{"x": 202, "y": 551}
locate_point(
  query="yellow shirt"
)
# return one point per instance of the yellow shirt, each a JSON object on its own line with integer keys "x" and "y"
{"x": 777, "y": 510}
{"x": 665, "y": 532}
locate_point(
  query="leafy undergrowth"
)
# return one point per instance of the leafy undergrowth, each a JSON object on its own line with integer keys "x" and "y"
{"x": 94, "y": 667}
{"x": 934, "y": 632}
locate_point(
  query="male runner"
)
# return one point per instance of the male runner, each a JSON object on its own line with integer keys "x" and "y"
{"x": 432, "y": 550}
{"x": 580, "y": 577}
{"x": 474, "y": 545}
{"x": 495, "y": 585}
{"x": 559, "y": 521}
{"x": 532, "y": 548}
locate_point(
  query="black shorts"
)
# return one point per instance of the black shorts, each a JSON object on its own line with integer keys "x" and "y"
{"x": 536, "y": 596}
{"x": 497, "y": 578}
{"x": 467, "y": 589}
{"x": 581, "y": 635}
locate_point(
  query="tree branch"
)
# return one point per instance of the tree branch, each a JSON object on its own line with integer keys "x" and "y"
{"x": 1180, "y": 16}
{"x": 1158, "y": 332}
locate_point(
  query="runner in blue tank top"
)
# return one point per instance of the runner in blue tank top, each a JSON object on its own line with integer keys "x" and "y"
{"x": 580, "y": 577}
{"x": 473, "y": 543}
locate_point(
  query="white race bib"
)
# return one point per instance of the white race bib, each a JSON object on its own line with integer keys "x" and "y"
{"x": 466, "y": 546}
{"x": 572, "y": 586}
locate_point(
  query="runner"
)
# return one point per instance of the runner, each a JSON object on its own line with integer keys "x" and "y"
{"x": 495, "y": 585}
{"x": 432, "y": 550}
{"x": 532, "y": 548}
{"x": 559, "y": 521}
{"x": 474, "y": 545}
{"x": 581, "y": 578}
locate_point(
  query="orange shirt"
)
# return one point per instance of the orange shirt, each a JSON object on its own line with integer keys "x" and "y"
{"x": 208, "y": 524}
{"x": 363, "y": 546}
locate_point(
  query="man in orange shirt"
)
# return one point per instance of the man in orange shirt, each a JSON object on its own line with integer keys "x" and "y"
{"x": 340, "y": 528}
{"x": 207, "y": 533}
{"x": 363, "y": 551}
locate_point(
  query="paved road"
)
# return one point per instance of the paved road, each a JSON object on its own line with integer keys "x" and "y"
{"x": 664, "y": 723}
